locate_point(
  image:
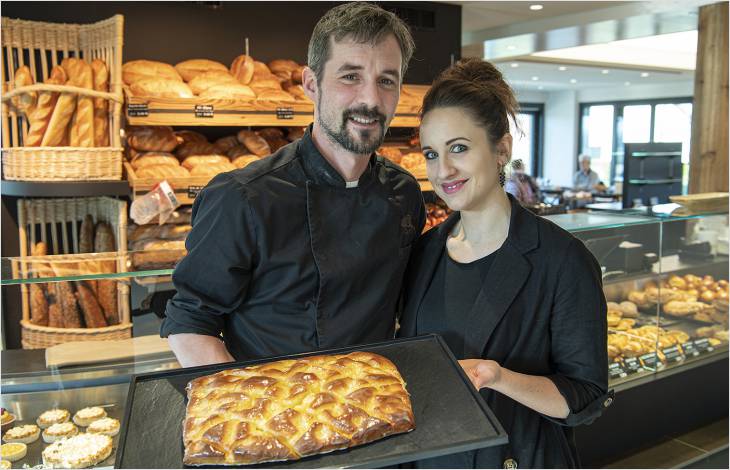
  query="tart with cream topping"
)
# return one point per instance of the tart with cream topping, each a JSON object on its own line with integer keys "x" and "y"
{"x": 26, "y": 434}
{"x": 59, "y": 431}
{"x": 107, "y": 426}
{"x": 51, "y": 417}
{"x": 87, "y": 416}
{"x": 80, "y": 451}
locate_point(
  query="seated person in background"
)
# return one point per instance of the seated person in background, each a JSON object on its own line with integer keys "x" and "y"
{"x": 586, "y": 179}
{"x": 521, "y": 185}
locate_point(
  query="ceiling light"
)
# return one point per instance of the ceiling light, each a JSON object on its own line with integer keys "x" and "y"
{"x": 644, "y": 74}
{"x": 535, "y": 78}
{"x": 562, "y": 68}
{"x": 514, "y": 65}
{"x": 573, "y": 80}
{"x": 627, "y": 83}
{"x": 605, "y": 71}
{"x": 536, "y": 7}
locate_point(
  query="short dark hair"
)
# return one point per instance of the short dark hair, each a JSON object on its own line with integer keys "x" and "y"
{"x": 362, "y": 22}
{"x": 478, "y": 87}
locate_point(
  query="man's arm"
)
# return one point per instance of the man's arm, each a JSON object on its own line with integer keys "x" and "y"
{"x": 194, "y": 350}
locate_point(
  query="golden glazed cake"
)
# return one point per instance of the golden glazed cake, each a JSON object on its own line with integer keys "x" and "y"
{"x": 289, "y": 409}
{"x": 80, "y": 451}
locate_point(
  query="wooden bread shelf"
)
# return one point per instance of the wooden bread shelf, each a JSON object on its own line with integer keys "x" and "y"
{"x": 185, "y": 188}
{"x": 144, "y": 111}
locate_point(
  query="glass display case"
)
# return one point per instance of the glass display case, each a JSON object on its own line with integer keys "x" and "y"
{"x": 666, "y": 284}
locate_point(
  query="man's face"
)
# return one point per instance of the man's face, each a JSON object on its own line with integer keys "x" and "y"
{"x": 358, "y": 92}
{"x": 585, "y": 165}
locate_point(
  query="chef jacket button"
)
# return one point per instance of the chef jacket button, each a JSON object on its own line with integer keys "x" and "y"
{"x": 509, "y": 463}
{"x": 608, "y": 402}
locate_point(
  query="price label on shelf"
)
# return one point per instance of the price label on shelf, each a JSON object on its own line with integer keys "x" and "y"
{"x": 193, "y": 191}
{"x": 616, "y": 371}
{"x": 690, "y": 350}
{"x": 673, "y": 354}
{"x": 203, "y": 110}
{"x": 632, "y": 365}
{"x": 649, "y": 360}
{"x": 703, "y": 345}
{"x": 284, "y": 113}
{"x": 138, "y": 110}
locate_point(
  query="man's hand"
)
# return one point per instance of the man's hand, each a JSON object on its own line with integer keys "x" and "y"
{"x": 198, "y": 350}
{"x": 482, "y": 372}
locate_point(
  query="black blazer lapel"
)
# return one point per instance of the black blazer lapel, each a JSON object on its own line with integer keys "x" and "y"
{"x": 421, "y": 270}
{"x": 504, "y": 281}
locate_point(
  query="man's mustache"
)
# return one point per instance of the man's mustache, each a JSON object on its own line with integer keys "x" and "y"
{"x": 365, "y": 113}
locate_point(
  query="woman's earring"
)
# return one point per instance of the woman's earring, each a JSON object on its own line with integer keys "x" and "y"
{"x": 502, "y": 176}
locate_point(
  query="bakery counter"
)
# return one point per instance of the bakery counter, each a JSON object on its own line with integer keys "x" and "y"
{"x": 26, "y": 408}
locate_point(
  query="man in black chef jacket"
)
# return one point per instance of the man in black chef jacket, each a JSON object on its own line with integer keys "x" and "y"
{"x": 306, "y": 249}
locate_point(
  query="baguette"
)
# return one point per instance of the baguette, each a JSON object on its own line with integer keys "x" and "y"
{"x": 101, "y": 115}
{"x": 61, "y": 117}
{"x": 82, "y": 125}
{"x": 41, "y": 115}
{"x": 69, "y": 307}
{"x": 242, "y": 68}
{"x": 86, "y": 235}
{"x": 26, "y": 102}
{"x": 55, "y": 313}
{"x": 93, "y": 316}
{"x": 38, "y": 299}
{"x": 107, "y": 289}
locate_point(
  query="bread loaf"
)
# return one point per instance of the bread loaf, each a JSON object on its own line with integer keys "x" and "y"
{"x": 152, "y": 158}
{"x": 297, "y": 74}
{"x": 283, "y": 65}
{"x": 273, "y": 95}
{"x": 210, "y": 79}
{"x": 294, "y": 133}
{"x": 80, "y": 74}
{"x": 265, "y": 83}
{"x": 257, "y": 145}
{"x": 38, "y": 300}
{"x": 161, "y": 172}
{"x": 189, "y": 69}
{"x": 152, "y": 138}
{"x": 271, "y": 133}
{"x": 276, "y": 143}
{"x": 55, "y": 313}
{"x": 26, "y": 102}
{"x": 297, "y": 91}
{"x": 63, "y": 111}
{"x": 165, "y": 232}
{"x": 101, "y": 107}
{"x": 86, "y": 235}
{"x": 69, "y": 307}
{"x": 260, "y": 69}
{"x": 244, "y": 160}
{"x": 93, "y": 315}
{"x": 161, "y": 88}
{"x": 158, "y": 254}
{"x": 224, "y": 144}
{"x": 195, "y": 148}
{"x": 41, "y": 115}
{"x": 190, "y": 136}
{"x": 212, "y": 169}
{"x": 242, "y": 69}
{"x": 205, "y": 160}
{"x": 137, "y": 70}
{"x": 104, "y": 241}
{"x": 229, "y": 91}
{"x": 239, "y": 150}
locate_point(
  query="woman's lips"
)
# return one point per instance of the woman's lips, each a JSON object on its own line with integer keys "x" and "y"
{"x": 453, "y": 186}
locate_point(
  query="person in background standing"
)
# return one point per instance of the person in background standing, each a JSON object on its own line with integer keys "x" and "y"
{"x": 521, "y": 185}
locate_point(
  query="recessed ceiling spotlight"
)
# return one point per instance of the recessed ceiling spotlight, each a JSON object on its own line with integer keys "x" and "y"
{"x": 605, "y": 71}
{"x": 535, "y": 78}
{"x": 562, "y": 68}
{"x": 644, "y": 74}
{"x": 573, "y": 80}
{"x": 627, "y": 83}
{"x": 511, "y": 47}
{"x": 514, "y": 65}
{"x": 536, "y": 7}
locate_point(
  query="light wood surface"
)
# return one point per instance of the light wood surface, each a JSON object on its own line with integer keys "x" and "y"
{"x": 91, "y": 352}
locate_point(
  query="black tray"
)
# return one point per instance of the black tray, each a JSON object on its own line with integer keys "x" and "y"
{"x": 450, "y": 415}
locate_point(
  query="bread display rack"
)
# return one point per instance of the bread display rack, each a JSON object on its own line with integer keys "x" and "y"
{"x": 146, "y": 111}
{"x": 56, "y": 223}
{"x": 40, "y": 46}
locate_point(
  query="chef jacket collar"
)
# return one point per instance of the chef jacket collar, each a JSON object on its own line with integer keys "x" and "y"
{"x": 319, "y": 170}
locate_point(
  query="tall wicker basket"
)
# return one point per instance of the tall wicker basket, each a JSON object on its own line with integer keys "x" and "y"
{"x": 56, "y": 222}
{"x": 40, "y": 46}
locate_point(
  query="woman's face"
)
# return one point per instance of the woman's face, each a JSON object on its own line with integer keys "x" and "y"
{"x": 462, "y": 166}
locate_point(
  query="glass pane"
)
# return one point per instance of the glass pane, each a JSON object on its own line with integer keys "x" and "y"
{"x": 673, "y": 123}
{"x": 523, "y": 143}
{"x": 598, "y": 139}
{"x": 637, "y": 124}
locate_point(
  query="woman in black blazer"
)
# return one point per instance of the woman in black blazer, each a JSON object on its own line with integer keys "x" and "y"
{"x": 517, "y": 299}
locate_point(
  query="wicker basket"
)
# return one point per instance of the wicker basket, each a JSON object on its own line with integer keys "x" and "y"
{"x": 56, "y": 222}
{"x": 40, "y": 46}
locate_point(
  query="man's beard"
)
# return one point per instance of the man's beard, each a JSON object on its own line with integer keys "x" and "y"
{"x": 368, "y": 142}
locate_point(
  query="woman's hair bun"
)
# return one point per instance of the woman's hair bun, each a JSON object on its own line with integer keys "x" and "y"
{"x": 473, "y": 70}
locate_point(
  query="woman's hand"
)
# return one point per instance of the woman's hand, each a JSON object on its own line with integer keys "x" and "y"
{"x": 481, "y": 372}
